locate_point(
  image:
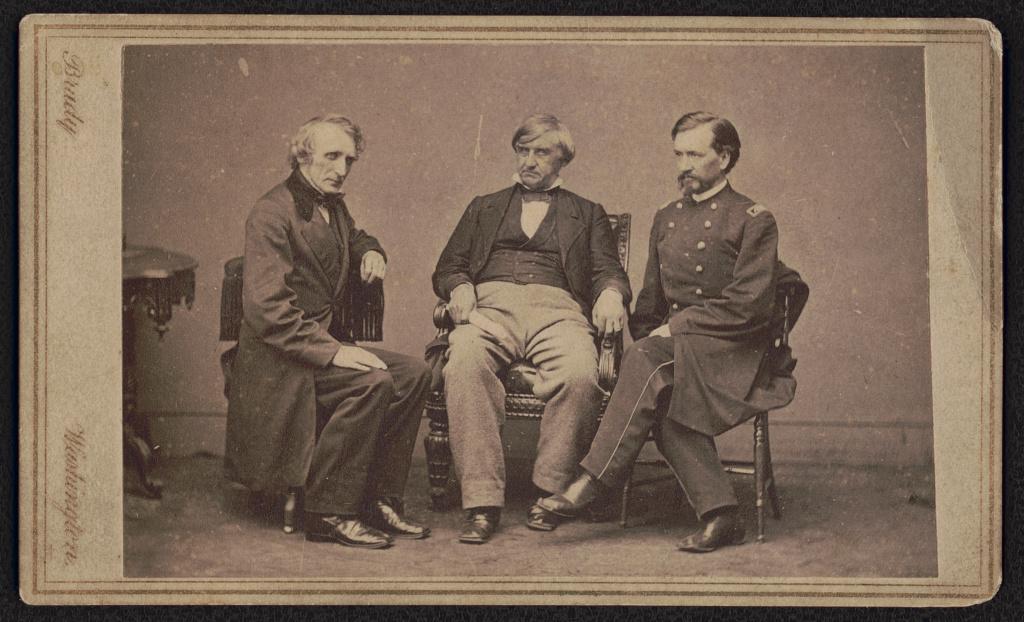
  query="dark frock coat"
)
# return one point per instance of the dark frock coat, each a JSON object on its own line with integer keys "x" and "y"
{"x": 712, "y": 273}
{"x": 296, "y": 274}
{"x": 585, "y": 242}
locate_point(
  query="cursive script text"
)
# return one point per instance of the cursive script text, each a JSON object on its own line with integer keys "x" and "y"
{"x": 74, "y": 460}
{"x": 73, "y": 72}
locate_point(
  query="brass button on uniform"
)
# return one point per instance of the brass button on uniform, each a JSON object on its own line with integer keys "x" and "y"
{"x": 671, "y": 225}
{"x": 699, "y": 268}
{"x": 679, "y": 205}
{"x": 675, "y": 306}
{"x": 714, "y": 206}
{"x": 701, "y": 245}
{"x": 699, "y": 292}
{"x": 707, "y": 224}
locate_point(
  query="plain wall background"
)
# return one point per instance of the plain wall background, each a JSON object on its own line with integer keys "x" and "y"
{"x": 833, "y": 143}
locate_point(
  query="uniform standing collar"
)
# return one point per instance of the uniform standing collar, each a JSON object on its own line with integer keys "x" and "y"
{"x": 704, "y": 196}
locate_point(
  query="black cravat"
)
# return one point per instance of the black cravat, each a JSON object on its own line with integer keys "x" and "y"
{"x": 530, "y": 195}
{"x": 330, "y": 201}
{"x": 535, "y": 195}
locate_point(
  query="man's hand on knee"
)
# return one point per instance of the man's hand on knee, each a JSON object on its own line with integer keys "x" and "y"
{"x": 354, "y": 357}
{"x": 608, "y": 312}
{"x": 462, "y": 303}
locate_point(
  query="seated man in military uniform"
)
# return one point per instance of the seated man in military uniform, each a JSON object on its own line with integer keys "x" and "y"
{"x": 700, "y": 363}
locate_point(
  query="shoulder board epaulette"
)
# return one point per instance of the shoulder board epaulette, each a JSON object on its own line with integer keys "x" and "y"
{"x": 756, "y": 209}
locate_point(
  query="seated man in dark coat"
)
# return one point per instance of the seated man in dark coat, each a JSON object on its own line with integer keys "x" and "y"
{"x": 307, "y": 407}
{"x": 701, "y": 362}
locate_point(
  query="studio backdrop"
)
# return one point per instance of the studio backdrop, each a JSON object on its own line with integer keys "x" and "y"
{"x": 833, "y": 143}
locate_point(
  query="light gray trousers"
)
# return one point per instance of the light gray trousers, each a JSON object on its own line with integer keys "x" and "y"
{"x": 545, "y": 326}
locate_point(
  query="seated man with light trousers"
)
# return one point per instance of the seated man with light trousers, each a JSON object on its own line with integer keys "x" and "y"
{"x": 525, "y": 272}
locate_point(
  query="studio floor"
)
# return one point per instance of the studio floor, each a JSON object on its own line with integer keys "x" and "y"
{"x": 837, "y": 521}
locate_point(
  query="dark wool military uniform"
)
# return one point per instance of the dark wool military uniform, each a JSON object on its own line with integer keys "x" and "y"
{"x": 711, "y": 274}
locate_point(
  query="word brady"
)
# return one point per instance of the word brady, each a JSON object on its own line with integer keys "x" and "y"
{"x": 72, "y": 70}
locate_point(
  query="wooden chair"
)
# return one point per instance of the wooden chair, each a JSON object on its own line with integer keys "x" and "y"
{"x": 789, "y": 303}
{"x": 364, "y": 324}
{"x": 230, "y": 323}
{"x": 520, "y": 402}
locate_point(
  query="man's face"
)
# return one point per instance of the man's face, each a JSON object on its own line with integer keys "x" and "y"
{"x": 539, "y": 161}
{"x": 700, "y": 166}
{"x": 332, "y": 154}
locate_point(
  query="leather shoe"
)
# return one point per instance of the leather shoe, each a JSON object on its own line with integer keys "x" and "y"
{"x": 577, "y": 496}
{"x": 386, "y": 515}
{"x": 347, "y": 531}
{"x": 723, "y": 530}
{"x": 540, "y": 519}
{"x": 480, "y": 525}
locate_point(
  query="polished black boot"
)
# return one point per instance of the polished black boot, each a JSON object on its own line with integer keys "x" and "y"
{"x": 480, "y": 525}
{"x": 346, "y": 531}
{"x": 724, "y": 528}
{"x": 386, "y": 514}
{"x": 577, "y": 496}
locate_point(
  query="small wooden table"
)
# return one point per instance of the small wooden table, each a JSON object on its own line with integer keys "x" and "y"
{"x": 158, "y": 279}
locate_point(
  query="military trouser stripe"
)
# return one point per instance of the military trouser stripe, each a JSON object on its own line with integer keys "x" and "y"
{"x": 631, "y": 414}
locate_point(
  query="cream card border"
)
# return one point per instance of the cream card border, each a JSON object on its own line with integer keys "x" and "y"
{"x": 70, "y": 233}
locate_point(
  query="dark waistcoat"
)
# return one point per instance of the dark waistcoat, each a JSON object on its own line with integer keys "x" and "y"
{"x": 516, "y": 258}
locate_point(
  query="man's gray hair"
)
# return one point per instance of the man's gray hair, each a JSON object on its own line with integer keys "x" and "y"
{"x": 535, "y": 125}
{"x": 300, "y": 148}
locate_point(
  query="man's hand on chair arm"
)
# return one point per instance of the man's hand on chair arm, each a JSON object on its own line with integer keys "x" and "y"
{"x": 608, "y": 311}
{"x": 462, "y": 303}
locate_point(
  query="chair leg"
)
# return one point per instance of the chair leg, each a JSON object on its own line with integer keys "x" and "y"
{"x": 439, "y": 459}
{"x": 291, "y": 503}
{"x": 773, "y": 497}
{"x": 760, "y": 470}
{"x": 773, "y": 493}
{"x": 626, "y": 490}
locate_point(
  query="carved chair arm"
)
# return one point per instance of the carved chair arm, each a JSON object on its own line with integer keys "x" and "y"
{"x": 442, "y": 319}
{"x": 609, "y": 357}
